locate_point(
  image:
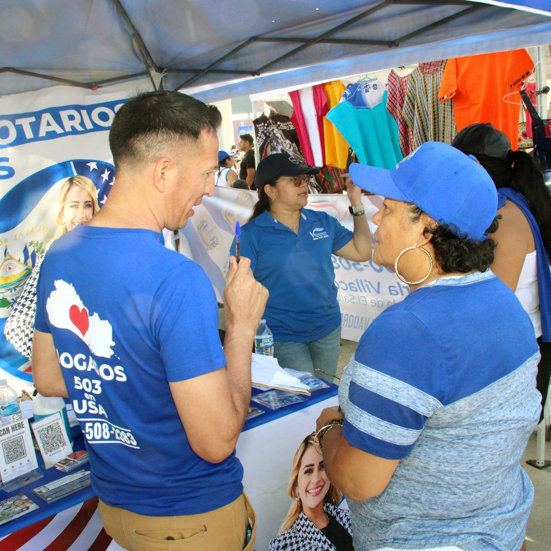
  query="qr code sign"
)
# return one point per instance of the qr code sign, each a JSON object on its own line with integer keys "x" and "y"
{"x": 52, "y": 438}
{"x": 14, "y": 449}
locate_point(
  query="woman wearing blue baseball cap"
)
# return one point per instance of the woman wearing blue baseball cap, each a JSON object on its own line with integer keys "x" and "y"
{"x": 439, "y": 400}
{"x": 225, "y": 175}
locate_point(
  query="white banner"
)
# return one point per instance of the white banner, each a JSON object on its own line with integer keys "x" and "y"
{"x": 365, "y": 289}
{"x": 50, "y": 135}
{"x": 45, "y": 137}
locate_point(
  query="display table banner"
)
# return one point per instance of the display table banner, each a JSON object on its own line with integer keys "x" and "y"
{"x": 365, "y": 289}
{"x": 73, "y": 525}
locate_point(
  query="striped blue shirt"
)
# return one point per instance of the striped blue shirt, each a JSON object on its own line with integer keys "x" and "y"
{"x": 445, "y": 381}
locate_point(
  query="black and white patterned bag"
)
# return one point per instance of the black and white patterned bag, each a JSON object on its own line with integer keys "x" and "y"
{"x": 20, "y": 323}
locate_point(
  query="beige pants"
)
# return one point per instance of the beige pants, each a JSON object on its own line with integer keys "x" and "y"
{"x": 223, "y": 529}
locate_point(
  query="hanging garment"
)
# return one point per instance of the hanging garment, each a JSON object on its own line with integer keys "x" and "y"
{"x": 428, "y": 119}
{"x": 372, "y": 133}
{"x": 336, "y": 147}
{"x": 277, "y": 134}
{"x": 524, "y": 140}
{"x": 322, "y": 108}
{"x": 478, "y": 85}
{"x": 397, "y": 91}
{"x": 311, "y": 120}
{"x": 299, "y": 122}
{"x": 365, "y": 94}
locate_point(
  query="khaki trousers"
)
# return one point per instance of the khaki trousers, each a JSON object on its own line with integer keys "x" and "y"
{"x": 223, "y": 529}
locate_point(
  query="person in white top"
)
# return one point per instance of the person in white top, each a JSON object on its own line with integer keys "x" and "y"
{"x": 226, "y": 174}
{"x": 524, "y": 235}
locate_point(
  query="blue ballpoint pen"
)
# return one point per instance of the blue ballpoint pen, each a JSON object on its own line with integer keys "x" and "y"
{"x": 237, "y": 240}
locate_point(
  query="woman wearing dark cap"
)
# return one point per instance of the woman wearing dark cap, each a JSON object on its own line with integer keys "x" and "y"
{"x": 524, "y": 235}
{"x": 439, "y": 400}
{"x": 290, "y": 249}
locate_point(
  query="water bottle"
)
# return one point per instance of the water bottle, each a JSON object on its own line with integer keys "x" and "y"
{"x": 9, "y": 404}
{"x": 264, "y": 340}
{"x": 44, "y": 406}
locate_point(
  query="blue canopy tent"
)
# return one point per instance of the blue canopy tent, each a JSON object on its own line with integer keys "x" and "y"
{"x": 219, "y": 50}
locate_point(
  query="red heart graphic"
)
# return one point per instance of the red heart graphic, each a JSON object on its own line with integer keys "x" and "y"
{"x": 79, "y": 318}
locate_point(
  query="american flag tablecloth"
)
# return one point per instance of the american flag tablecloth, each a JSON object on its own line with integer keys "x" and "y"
{"x": 76, "y": 529}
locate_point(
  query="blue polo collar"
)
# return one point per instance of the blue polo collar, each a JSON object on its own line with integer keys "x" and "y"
{"x": 267, "y": 220}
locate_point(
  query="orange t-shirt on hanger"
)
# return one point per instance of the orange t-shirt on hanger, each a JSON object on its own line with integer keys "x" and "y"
{"x": 478, "y": 85}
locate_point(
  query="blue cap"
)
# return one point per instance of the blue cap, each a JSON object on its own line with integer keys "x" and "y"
{"x": 223, "y": 155}
{"x": 451, "y": 187}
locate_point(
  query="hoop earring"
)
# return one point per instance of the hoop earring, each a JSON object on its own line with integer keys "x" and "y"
{"x": 401, "y": 277}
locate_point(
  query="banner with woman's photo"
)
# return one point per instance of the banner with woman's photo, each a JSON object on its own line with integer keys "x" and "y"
{"x": 46, "y": 137}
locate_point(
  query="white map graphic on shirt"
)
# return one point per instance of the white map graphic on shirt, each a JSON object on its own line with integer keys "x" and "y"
{"x": 67, "y": 311}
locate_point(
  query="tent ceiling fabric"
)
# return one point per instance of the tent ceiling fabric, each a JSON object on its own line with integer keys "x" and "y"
{"x": 218, "y": 50}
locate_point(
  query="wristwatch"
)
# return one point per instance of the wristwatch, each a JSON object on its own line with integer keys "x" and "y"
{"x": 356, "y": 211}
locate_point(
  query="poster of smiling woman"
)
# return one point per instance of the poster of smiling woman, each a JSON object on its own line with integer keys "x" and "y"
{"x": 46, "y": 138}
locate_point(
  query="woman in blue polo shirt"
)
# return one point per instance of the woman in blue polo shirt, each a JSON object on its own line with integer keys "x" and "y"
{"x": 290, "y": 250}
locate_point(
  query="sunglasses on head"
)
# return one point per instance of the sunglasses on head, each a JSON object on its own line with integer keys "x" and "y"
{"x": 296, "y": 180}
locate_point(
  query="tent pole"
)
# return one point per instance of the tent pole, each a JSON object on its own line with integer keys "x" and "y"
{"x": 351, "y": 41}
{"x": 45, "y": 77}
{"x": 218, "y": 61}
{"x": 214, "y": 71}
{"x": 100, "y": 83}
{"x": 147, "y": 58}
{"x": 541, "y": 66}
{"x": 472, "y": 9}
{"x": 328, "y": 33}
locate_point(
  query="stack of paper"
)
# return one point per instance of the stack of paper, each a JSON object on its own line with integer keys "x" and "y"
{"x": 267, "y": 372}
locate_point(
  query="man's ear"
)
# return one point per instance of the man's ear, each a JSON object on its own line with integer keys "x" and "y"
{"x": 162, "y": 171}
{"x": 426, "y": 222}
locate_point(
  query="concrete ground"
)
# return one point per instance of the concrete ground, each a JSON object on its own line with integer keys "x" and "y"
{"x": 538, "y": 537}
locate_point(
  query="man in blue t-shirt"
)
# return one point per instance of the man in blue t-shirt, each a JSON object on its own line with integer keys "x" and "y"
{"x": 128, "y": 330}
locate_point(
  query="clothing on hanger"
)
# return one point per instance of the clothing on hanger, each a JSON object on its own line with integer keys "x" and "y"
{"x": 478, "y": 85}
{"x": 372, "y": 133}
{"x": 311, "y": 104}
{"x": 336, "y": 147}
{"x": 397, "y": 91}
{"x": 365, "y": 94}
{"x": 299, "y": 123}
{"x": 428, "y": 119}
{"x": 277, "y": 134}
{"x": 321, "y": 105}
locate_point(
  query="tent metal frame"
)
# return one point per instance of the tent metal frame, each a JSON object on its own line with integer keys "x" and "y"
{"x": 326, "y": 38}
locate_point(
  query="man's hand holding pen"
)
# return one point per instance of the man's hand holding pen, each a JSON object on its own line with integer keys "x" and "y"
{"x": 245, "y": 298}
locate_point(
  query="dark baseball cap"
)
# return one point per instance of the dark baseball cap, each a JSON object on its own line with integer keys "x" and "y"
{"x": 483, "y": 139}
{"x": 280, "y": 164}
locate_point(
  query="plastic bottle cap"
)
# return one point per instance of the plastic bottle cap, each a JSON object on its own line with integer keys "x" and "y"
{"x": 262, "y": 321}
